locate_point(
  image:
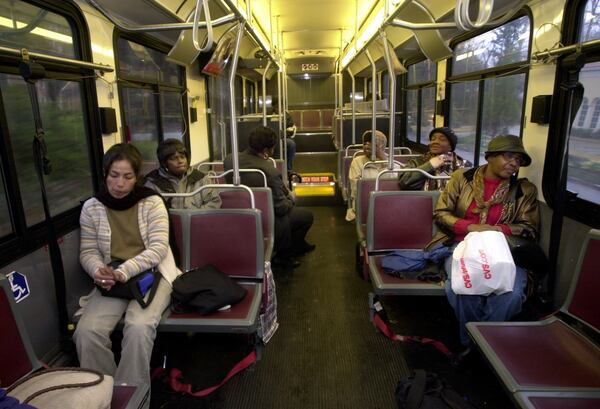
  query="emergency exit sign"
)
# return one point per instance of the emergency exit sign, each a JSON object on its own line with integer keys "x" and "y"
{"x": 310, "y": 67}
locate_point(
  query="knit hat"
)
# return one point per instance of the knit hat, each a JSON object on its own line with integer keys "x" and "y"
{"x": 508, "y": 143}
{"x": 169, "y": 147}
{"x": 448, "y": 133}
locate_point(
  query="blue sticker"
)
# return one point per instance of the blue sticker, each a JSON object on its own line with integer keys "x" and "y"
{"x": 18, "y": 285}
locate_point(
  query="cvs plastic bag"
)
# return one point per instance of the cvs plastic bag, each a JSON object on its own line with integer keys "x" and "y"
{"x": 482, "y": 265}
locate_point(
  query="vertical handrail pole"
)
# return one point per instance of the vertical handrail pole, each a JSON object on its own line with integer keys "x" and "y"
{"x": 279, "y": 107}
{"x": 234, "y": 141}
{"x": 373, "y": 99}
{"x": 353, "y": 102}
{"x": 285, "y": 110}
{"x": 392, "y": 91}
{"x": 264, "y": 93}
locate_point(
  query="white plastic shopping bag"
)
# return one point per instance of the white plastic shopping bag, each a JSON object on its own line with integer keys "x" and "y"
{"x": 482, "y": 265}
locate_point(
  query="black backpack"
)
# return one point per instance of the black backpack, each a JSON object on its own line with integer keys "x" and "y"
{"x": 426, "y": 390}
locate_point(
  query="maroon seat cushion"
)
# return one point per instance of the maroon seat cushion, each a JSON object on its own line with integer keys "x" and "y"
{"x": 539, "y": 402}
{"x": 548, "y": 355}
{"x": 13, "y": 354}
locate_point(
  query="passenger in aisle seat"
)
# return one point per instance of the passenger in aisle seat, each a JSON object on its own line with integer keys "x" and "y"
{"x": 358, "y": 171}
{"x": 128, "y": 224}
{"x": 489, "y": 197}
{"x": 175, "y": 175}
{"x": 439, "y": 160}
{"x": 291, "y": 222}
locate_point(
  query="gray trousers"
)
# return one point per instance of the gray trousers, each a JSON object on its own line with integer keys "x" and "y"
{"x": 101, "y": 315}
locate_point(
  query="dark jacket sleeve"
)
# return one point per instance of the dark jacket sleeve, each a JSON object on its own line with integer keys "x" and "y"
{"x": 415, "y": 180}
{"x": 282, "y": 202}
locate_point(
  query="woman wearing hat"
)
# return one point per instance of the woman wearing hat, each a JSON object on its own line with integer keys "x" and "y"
{"x": 439, "y": 160}
{"x": 489, "y": 197}
{"x": 176, "y": 176}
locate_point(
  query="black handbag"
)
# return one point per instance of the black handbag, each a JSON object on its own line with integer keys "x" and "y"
{"x": 136, "y": 287}
{"x": 204, "y": 290}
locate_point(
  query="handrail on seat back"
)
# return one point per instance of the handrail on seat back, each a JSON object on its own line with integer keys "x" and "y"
{"x": 357, "y": 146}
{"x": 227, "y": 172}
{"x": 217, "y": 187}
{"x": 200, "y": 165}
{"x": 428, "y": 175}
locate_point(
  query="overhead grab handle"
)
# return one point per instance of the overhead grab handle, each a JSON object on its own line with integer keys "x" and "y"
{"x": 209, "y": 30}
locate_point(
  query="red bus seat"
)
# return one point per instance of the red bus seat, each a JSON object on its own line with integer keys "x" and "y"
{"x": 232, "y": 241}
{"x": 18, "y": 358}
{"x": 558, "y": 400}
{"x": 551, "y": 355}
{"x": 399, "y": 220}
{"x": 237, "y": 199}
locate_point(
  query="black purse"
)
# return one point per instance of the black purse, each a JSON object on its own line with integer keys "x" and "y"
{"x": 136, "y": 287}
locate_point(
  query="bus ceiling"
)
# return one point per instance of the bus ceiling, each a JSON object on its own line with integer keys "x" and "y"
{"x": 328, "y": 33}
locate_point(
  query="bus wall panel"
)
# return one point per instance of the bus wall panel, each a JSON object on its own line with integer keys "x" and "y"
{"x": 197, "y": 99}
{"x": 540, "y": 82}
{"x": 101, "y": 35}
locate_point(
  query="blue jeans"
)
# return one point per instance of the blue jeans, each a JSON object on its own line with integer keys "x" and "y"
{"x": 290, "y": 149}
{"x": 494, "y": 307}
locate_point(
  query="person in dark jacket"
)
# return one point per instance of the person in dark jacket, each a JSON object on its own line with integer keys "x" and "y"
{"x": 175, "y": 175}
{"x": 439, "y": 160}
{"x": 291, "y": 222}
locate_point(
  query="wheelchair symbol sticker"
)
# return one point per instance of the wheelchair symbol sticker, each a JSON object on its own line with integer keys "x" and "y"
{"x": 18, "y": 285}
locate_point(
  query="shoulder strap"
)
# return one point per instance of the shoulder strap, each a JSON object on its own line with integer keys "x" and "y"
{"x": 175, "y": 376}
{"x": 100, "y": 378}
{"x": 139, "y": 297}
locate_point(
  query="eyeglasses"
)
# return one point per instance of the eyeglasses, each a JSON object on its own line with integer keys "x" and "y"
{"x": 513, "y": 157}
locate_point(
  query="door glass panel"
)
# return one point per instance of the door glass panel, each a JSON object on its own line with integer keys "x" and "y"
{"x": 427, "y": 112}
{"x": 142, "y": 126}
{"x": 173, "y": 121}
{"x": 411, "y": 114}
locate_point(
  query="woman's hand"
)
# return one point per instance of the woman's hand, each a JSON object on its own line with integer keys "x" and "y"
{"x": 104, "y": 277}
{"x": 483, "y": 227}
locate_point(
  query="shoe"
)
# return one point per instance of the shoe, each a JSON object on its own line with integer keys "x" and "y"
{"x": 304, "y": 248}
{"x": 287, "y": 263}
{"x": 459, "y": 358}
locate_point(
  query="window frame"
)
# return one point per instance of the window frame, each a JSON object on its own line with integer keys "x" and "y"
{"x": 156, "y": 86}
{"x": 577, "y": 209}
{"x": 26, "y": 239}
{"x": 521, "y": 67}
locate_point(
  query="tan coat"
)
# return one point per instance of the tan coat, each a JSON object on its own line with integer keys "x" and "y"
{"x": 520, "y": 211}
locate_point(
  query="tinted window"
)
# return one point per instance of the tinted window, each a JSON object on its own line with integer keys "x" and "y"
{"x": 412, "y": 109}
{"x": 62, "y": 114}
{"x": 504, "y": 45}
{"x": 424, "y": 71}
{"x": 141, "y": 62}
{"x": 24, "y": 25}
{"x": 584, "y": 144}
{"x": 463, "y": 117}
{"x": 590, "y": 27}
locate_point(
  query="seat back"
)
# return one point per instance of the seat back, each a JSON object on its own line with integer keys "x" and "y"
{"x": 400, "y": 220}
{"x": 16, "y": 352}
{"x": 263, "y": 200}
{"x": 583, "y": 301}
{"x": 363, "y": 190}
{"x": 229, "y": 239}
{"x": 311, "y": 120}
{"x": 326, "y": 118}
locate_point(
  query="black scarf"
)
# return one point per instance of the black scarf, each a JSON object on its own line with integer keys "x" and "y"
{"x": 138, "y": 193}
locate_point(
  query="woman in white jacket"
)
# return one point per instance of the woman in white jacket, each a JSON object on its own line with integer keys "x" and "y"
{"x": 127, "y": 224}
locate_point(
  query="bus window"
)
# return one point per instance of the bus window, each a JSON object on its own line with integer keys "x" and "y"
{"x": 420, "y": 100}
{"x": 152, "y": 102}
{"x": 62, "y": 114}
{"x": 487, "y": 89}
{"x": 584, "y": 143}
{"x": 51, "y": 35}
